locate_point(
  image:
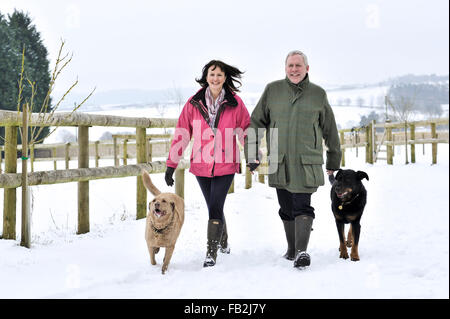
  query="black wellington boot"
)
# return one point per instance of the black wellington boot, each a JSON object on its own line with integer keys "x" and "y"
{"x": 223, "y": 245}
{"x": 215, "y": 229}
{"x": 289, "y": 229}
{"x": 303, "y": 226}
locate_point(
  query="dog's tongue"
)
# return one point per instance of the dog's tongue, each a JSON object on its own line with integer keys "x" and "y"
{"x": 159, "y": 213}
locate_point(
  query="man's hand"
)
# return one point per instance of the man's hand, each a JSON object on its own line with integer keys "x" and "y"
{"x": 168, "y": 177}
{"x": 330, "y": 171}
{"x": 253, "y": 166}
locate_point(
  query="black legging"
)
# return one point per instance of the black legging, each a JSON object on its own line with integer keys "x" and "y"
{"x": 215, "y": 190}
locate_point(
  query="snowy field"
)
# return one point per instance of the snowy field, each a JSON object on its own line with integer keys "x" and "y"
{"x": 404, "y": 245}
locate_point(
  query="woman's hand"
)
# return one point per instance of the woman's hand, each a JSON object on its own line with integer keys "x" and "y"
{"x": 168, "y": 177}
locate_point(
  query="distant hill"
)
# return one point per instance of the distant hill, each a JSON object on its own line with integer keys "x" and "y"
{"x": 359, "y": 94}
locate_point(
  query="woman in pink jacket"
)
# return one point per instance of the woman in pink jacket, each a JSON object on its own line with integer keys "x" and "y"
{"x": 213, "y": 117}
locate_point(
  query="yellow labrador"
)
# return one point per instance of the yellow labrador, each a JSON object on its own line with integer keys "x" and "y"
{"x": 164, "y": 221}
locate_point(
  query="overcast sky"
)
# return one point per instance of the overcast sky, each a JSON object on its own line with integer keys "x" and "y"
{"x": 161, "y": 43}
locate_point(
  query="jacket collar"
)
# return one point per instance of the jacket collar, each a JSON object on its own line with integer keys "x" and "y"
{"x": 298, "y": 88}
{"x": 302, "y": 85}
{"x": 199, "y": 101}
{"x": 229, "y": 98}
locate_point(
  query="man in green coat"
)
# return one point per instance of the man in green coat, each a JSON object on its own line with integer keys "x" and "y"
{"x": 296, "y": 117}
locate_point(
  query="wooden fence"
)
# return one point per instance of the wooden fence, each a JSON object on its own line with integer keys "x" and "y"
{"x": 10, "y": 180}
{"x": 375, "y": 136}
{"x": 367, "y": 137}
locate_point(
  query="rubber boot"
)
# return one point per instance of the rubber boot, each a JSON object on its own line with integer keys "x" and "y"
{"x": 289, "y": 229}
{"x": 215, "y": 229}
{"x": 303, "y": 225}
{"x": 223, "y": 245}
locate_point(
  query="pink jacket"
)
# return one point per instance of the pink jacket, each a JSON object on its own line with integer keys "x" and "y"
{"x": 214, "y": 152}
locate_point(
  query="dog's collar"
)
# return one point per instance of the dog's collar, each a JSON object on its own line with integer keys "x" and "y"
{"x": 160, "y": 230}
{"x": 341, "y": 206}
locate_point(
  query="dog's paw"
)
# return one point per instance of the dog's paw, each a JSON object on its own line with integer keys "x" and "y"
{"x": 343, "y": 255}
{"x": 164, "y": 269}
{"x": 354, "y": 257}
{"x": 343, "y": 252}
{"x": 349, "y": 243}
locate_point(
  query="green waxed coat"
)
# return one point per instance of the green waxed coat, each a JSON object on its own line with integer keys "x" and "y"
{"x": 302, "y": 116}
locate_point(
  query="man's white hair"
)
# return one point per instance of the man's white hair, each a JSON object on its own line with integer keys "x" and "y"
{"x": 298, "y": 53}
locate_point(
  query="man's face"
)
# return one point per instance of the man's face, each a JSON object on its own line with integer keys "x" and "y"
{"x": 296, "y": 69}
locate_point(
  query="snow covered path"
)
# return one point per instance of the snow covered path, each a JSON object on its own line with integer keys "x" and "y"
{"x": 404, "y": 245}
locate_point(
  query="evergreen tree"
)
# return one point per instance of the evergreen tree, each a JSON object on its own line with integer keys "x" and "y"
{"x": 16, "y": 36}
{"x": 9, "y": 59}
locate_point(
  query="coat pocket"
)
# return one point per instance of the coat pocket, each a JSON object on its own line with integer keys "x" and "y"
{"x": 312, "y": 168}
{"x": 280, "y": 177}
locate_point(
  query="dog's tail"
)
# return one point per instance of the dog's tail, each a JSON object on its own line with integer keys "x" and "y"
{"x": 148, "y": 184}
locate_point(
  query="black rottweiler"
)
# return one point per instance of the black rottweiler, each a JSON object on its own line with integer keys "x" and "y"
{"x": 348, "y": 199}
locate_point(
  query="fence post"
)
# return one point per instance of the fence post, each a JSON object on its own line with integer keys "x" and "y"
{"x": 231, "y": 189}
{"x": 260, "y": 175}
{"x": 369, "y": 145}
{"x": 1, "y": 158}
{"x": 116, "y": 158}
{"x": 83, "y": 187}
{"x": 32, "y": 157}
{"x": 412, "y": 129}
{"x": 373, "y": 141}
{"x": 423, "y": 145}
{"x": 179, "y": 182}
{"x": 389, "y": 153}
{"x": 125, "y": 151}
{"x": 248, "y": 178}
{"x": 141, "y": 157}
{"x": 54, "y": 156}
{"x": 9, "y": 203}
{"x": 25, "y": 238}
{"x": 97, "y": 156}
{"x": 433, "y": 145}
{"x": 341, "y": 135}
{"x": 150, "y": 148}
{"x": 67, "y": 155}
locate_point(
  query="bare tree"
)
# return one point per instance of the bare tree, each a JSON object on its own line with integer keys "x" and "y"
{"x": 176, "y": 95}
{"x": 31, "y": 136}
{"x": 403, "y": 106}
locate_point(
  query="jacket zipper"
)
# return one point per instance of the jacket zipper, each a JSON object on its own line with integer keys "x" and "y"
{"x": 216, "y": 123}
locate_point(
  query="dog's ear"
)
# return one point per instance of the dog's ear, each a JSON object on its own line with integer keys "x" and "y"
{"x": 361, "y": 175}
{"x": 338, "y": 174}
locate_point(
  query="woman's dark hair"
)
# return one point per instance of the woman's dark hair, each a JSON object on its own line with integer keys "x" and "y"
{"x": 232, "y": 74}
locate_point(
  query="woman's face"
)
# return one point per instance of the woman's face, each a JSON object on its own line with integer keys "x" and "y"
{"x": 215, "y": 78}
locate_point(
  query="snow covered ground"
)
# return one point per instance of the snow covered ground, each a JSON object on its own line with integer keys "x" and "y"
{"x": 404, "y": 246}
